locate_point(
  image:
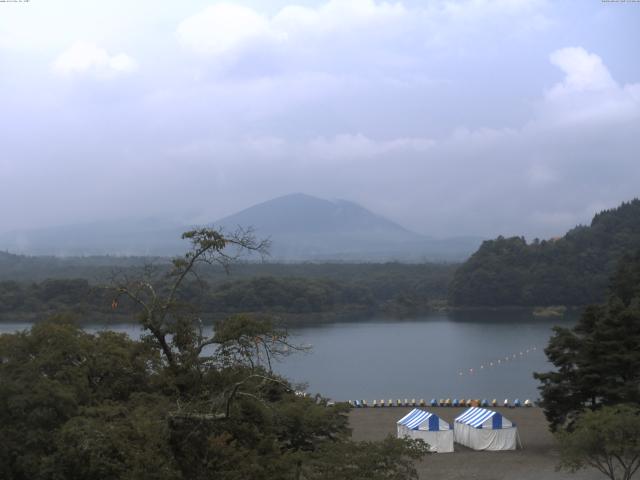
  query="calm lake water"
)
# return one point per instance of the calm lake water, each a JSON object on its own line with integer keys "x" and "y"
{"x": 472, "y": 354}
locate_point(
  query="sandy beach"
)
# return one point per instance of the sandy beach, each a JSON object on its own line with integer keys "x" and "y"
{"x": 535, "y": 461}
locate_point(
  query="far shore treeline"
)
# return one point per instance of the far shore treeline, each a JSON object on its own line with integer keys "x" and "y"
{"x": 296, "y": 291}
{"x": 572, "y": 270}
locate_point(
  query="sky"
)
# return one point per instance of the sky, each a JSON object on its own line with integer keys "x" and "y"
{"x": 470, "y": 117}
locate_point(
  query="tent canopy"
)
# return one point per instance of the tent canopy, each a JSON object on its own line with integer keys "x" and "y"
{"x": 482, "y": 418}
{"x": 422, "y": 425}
{"x": 418, "y": 419}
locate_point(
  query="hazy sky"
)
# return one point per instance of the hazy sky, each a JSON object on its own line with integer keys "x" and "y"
{"x": 451, "y": 117}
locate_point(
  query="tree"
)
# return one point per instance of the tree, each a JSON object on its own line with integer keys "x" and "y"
{"x": 177, "y": 404}
{"x": 571, "y": 270}
{"x": 607, "y": 439}
{"x": 598, "y": 361}
{"x": 56, "y": 373}
{"x": 168, "y": 320}
{"x": 390, "y": 459}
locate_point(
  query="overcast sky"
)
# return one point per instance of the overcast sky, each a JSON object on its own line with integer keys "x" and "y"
{"x": 450, "y": 117}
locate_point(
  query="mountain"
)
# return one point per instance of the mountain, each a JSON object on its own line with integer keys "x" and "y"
{"x": 572, "y": 270}
{"x": 303, "y": 214}
{"x": 305, "y": 227}
{"x": 300, "y": 227}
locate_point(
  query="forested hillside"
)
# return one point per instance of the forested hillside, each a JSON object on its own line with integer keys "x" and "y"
{"x": 295, "y": 290}
{"x": 572, "y": 270}
{"x": 25, "y": 268}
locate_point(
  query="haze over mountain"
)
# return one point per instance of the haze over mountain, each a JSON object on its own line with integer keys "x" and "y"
{"x": 300, "y": 227}
{"x": 123, "y": 109}
{"x": 141, "y": 236}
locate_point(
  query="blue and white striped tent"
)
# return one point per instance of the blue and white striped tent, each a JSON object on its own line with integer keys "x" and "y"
{"x": 483, "y": 429}
{"x": 427, "y": 426}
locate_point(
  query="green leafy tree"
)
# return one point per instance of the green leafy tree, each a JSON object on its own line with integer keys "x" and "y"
{"x": 598, "y": 361}
{"x": 49, "y": 376}
{"x": 570, "y": 270}
{"x": 607, "y": 440}
{"x": 178, "y": 403}
{"x": 167, "y": 319}
{"x": 390, "y": 459}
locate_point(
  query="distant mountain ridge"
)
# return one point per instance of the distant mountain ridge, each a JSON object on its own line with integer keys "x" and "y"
{"x": 571, "y": 270}
{"x": 301, "y": 228}
{"x": 146, "y": 236}
{"x": 306, "y": 228}
{"x": 291, "y": 214}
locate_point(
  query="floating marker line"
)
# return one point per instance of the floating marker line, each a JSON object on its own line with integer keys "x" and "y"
{"x": 498, "y": 362}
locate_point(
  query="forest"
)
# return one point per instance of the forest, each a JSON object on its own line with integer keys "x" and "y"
{"x": 297, "y": 291}
{"x": 571, "y": 270}
{"x": 175, "y": 404}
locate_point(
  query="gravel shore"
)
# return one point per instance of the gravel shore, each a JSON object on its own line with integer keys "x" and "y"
{"x": 536, "y": 461}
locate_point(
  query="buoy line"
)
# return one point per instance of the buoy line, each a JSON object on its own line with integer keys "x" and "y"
{"x": 497, "y": 362}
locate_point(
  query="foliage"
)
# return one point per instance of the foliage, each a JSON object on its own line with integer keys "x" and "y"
{"x": 177, "y": 404}
{"x": 390, "y": 459}
{"x": 53, "y": 374}
{"x": 607, "y": 439}
{"x": 297, "y": 291}
{"x": 598, "y": 361}
{"x": 572, "y": 270}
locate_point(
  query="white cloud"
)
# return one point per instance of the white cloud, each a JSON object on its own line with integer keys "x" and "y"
{"x": 426, "y": 111}
{"x": 527, "y": 14}
{"x": 337, "y": 15}
{"x": 224, "y": 27}
{"x": 588, "y": 94}
{"x": 584, "y": 71}
{"x": 87, "y": 58}
{"x": 349, "y": 35}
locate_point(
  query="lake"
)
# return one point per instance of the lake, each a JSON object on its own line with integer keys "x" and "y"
{"x": 457, "y": 355}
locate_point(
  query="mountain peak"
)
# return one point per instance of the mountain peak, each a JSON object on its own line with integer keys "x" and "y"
{"x": 300, "y": 213}
{"x": 300, "y": 227}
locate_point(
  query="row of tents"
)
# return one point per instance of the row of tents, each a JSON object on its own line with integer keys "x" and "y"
{"x": 476, "y": 428}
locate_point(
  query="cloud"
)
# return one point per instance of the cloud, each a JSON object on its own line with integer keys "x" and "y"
{"x": 334, "y": 16}
{"x": 224, "y": 27}
{"x": 588, "y": 94}
{"x": 87, "y": 58}
{"x": 426, "y": 111}
{"x": 584, "y": 72}
{"x": 336, "y": 36}
{"x": 534, "y": 179}
{"x": 355, "y": 146}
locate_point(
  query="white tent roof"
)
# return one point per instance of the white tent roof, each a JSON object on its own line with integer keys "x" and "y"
{"x": 482, "y": 418}
{"x": 417, "y": 419}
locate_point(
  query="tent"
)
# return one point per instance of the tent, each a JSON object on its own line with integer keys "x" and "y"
{"x": 423, "y": 425}
{"x": 483, "y": 429}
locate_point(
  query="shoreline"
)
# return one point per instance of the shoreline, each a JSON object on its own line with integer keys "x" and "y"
{"x": 295, "y": 319}
{"x": 537, "y": 459}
